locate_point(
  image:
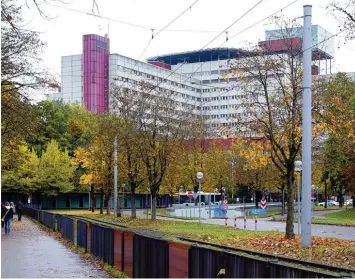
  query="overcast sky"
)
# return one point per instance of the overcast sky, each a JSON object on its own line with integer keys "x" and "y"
{"x": 63, "y": 34}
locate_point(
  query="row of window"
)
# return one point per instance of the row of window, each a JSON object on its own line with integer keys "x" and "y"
{"x": 223, "y": 124}
{"x": 222, "y": 98}
{"x": 159, "y": 79}
{"x": 218, "y": 116}
{"x": 161, "y": 89}
{"x": 207, "y": 73}
{"x": 219, "y": 107}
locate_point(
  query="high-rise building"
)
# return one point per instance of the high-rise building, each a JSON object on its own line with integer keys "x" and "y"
{"x": 199, "y": 80}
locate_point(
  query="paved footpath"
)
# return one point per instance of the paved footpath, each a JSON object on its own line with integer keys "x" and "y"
{"x": 30, "y": 252}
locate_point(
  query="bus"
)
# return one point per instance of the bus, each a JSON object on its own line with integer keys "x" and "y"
{"x": 206, "y": 198}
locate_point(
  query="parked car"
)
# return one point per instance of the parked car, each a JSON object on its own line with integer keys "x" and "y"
{"x": 329, "y": 203}
{"x": 348, "y": 202}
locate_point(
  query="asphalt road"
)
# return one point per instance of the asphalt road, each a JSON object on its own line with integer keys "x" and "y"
{"x": 340, "y": 232}
{"x": 30, "y": 252}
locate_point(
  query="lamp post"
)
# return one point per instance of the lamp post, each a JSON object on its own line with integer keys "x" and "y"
{"x": 123, "y": 186}
{"x": 199, "y": 176}
{"x": 298, "y": 168}
{"x": 89, "y": 196}
{"x": 180, "y": 191}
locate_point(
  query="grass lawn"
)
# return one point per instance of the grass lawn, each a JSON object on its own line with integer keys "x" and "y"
{"x": 345, "y": 217}
{"x": 322, "y": 250}
{"x": 329, "y": 208}
{"x": 162, "y": 212}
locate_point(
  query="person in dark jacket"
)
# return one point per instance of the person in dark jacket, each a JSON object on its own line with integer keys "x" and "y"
{"x": 19, "y": 210}
{"x": 8, "y": 216}
{"x": 3, "y": 211}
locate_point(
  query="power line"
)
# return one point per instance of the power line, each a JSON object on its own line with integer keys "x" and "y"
{"x": 134, "y": 24}
{"x": 234, "y": 22}
{"x": 251, "y": 26}
{"x": 146, "y": 47}
{"x": 244, "y": 31}
{"x": 247, "y": 12}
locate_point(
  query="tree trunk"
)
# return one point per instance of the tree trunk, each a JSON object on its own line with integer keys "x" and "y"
{"x": 133, "y": 206}
{"x": 256, "y": 200}
{"x": 340, "y": 198}
{"x": 107, "y": 202}
{"x": 283, "y": 199}
{"x": 92, "y": 199}
{"x": 290, "y": 207}
{"x": 154, "y": 207}
{"x": 101, "y": 200}
{"x": 325, "y": 195}
{"x": 353, "y": 197}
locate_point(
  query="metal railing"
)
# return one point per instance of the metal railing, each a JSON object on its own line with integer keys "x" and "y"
{"x": 147, "y": 255}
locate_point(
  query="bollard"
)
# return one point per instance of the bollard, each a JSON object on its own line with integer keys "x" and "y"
{"x": 256, "y": 224}
{"x": 235, "y": 223}
{"x": 226, "y": 221}
{"x": 245, "y": 222}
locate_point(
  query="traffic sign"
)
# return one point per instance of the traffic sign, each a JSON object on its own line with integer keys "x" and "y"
{"x": 225, "y": 204}
{"x": 190, "y": 195}
{"x": 258, "y": 211}
{"x": 263, "y": 203}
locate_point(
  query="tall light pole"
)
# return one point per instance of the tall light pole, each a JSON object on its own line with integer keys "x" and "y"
{"x": 298, "y": 168}
{"x": 232, "y": 176}
{"x": 199, "y": 176}
{"x": 306, "y": 237}
{"x": 123, "y": 186}
{"x": 89, "y": 197}
{"x": 115, "y": 189}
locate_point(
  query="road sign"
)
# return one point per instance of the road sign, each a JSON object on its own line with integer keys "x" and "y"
{"x": 258, "y": 211}
{"x": 225, "y": 204}
{"x": 263, "y": 203}
{"x": 190, "y": 195}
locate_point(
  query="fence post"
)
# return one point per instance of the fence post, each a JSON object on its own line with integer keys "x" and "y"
{"x": 245, "y": 222}
{"x": 235, "y": 222}
{"x": 55, "y": 223}
{"x": 256, "y": 224}
{"x": 75, "y": 235}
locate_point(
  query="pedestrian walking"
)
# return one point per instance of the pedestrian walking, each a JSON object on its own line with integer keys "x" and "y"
{"x": 8, "y": 216}
{"x": 19, "y": 210}
{"x": 3, "y": 211}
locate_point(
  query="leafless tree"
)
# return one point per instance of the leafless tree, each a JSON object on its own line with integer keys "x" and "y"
{"x": 271, "y": 84}
{"x": 21, "y": 51}
{"x": 160, "y": 124}
{"x": 345, "y": 14}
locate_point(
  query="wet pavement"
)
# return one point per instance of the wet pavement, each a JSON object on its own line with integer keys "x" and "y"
{"x": 30, "y": 252}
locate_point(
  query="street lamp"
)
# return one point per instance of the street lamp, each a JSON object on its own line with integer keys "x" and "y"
{"x": 89, "y": 189}
{"x": 298, "y": 168}
{"x": 180, "y": 191}
{"x": 199, "y": 176}
{"x": 123, "y": 185}
{"x": 215, "y": 192}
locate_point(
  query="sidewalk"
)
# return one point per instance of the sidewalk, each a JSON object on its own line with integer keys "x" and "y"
{"x": 29, "y": 251}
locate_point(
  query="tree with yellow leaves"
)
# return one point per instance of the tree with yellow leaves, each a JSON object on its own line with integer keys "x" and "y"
{"x": 272, "y": 91}
{"x": 96, "y": 158}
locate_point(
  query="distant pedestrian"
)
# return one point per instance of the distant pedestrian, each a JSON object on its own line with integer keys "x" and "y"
{"x": 3, "y": 211}
{"x": 19, "y": 210}
{"x": 8, "y": 216}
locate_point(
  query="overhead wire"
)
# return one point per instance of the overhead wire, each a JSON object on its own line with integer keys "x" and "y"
{"x": 153, "y": 36}
{"x": 148, "y": 28}
{"x": 216, "y": 37}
